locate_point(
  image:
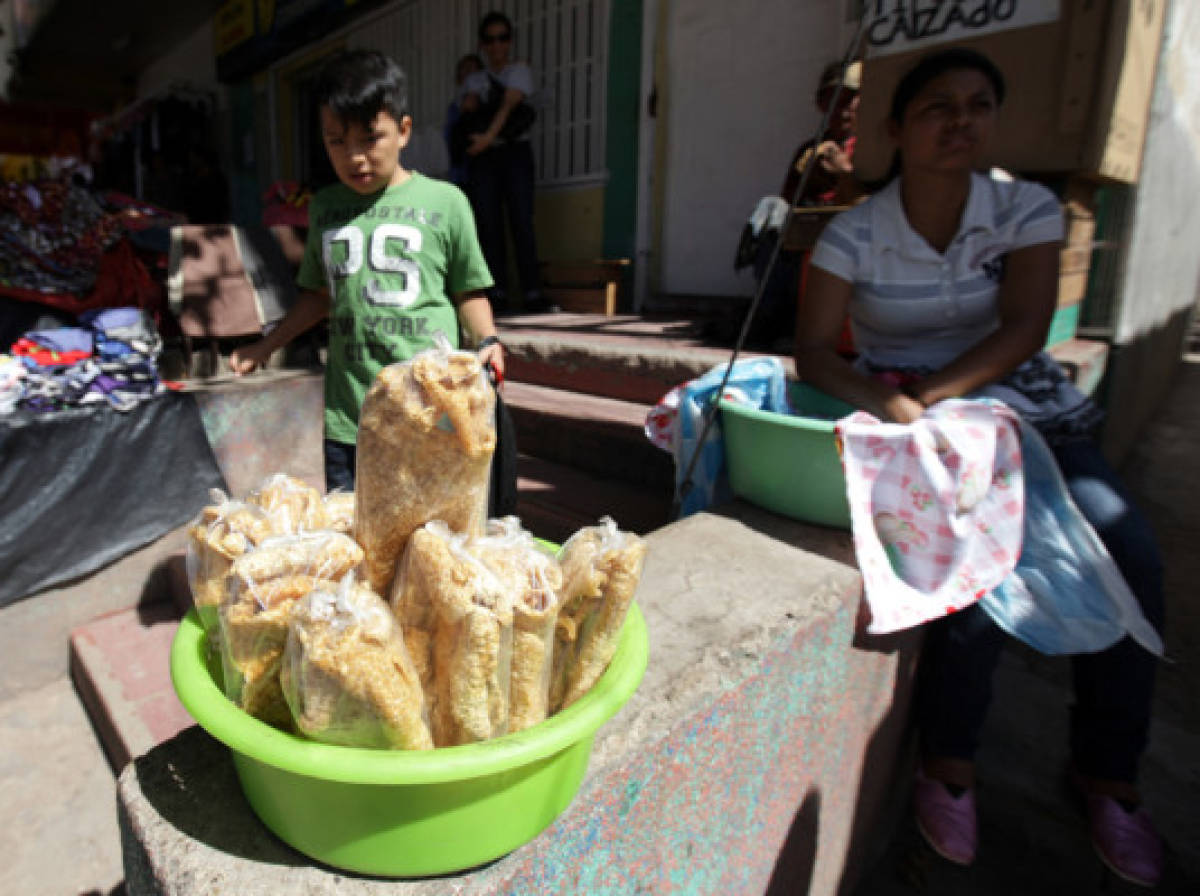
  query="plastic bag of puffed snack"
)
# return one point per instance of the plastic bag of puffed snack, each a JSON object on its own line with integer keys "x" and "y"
{"x": 339, "y": 511}
{"x": 291, "y": 504}
{"x": 534, "y": 579}
{"x": 220, "y": 533}
{"x": 457, "y": 619}
{"x": 346, "y": 674}
{"x": 601, "y": 567}
{"x": 426, "y": 436}
{"x": 261, "y": 588}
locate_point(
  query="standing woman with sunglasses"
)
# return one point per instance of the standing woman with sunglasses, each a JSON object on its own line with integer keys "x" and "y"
{"x": 500, "y": 162}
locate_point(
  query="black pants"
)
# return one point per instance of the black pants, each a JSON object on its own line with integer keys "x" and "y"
{"x": 501, "y": 179}
{"x": 1110, "y": 719}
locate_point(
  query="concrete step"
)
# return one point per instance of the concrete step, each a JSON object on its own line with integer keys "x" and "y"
{"x": 624, "y": 357}
{"x": 597, "y": 435}
{"x": 120, "y": 668}
{"x": 555, "y": 501}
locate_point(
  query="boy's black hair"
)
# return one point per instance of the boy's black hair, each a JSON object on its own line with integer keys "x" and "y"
{"x": 495, "y": 17}
{"x": 357, "y": 85}
{"x": 938, "y": 63}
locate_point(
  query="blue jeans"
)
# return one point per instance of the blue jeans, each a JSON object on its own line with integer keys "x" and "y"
{"x": 1110, "y": 719}
{"x": 339, "y": 466}
{"x": 501, "y": 180}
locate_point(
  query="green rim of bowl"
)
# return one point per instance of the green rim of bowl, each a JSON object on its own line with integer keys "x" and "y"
{"x": 813, "y": 424}
{"x": 209, "y": 706}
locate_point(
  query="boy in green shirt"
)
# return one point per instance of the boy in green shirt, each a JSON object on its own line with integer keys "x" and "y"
{"x": 387, "y": 249}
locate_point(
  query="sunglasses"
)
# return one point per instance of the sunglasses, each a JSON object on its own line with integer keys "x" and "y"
{"x": 496, "y": 38}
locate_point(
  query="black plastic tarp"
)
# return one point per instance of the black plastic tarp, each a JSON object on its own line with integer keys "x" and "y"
{"x": 81, "y": 488}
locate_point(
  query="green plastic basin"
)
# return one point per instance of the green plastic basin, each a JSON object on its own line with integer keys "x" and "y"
{"x": 407, "y": 814}
{"x": 789, "y": 464}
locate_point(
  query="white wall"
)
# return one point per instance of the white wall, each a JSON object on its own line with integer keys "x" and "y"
{"x": 1162, "y": 266}
{"x": 739, "y": 100}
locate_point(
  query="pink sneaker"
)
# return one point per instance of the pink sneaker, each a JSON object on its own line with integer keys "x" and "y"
{"x": 1126, "y": 841}
{"x": 945, "y": 821}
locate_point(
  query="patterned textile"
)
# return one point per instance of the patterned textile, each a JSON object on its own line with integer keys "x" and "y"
{"x": 1066, "y": 595}
{"x": 936, "y": 508}
{"x": 122, "y": 371}
{"x": 52, "y": 235}
{"x": 674, "y": 425}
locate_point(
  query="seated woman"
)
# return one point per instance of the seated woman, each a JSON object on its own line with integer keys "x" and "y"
{"x": 950, "y": 278}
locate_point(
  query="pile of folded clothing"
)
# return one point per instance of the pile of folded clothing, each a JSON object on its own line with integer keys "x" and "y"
{"x": 12, "y": 372}
{"x": 112, "y": 358}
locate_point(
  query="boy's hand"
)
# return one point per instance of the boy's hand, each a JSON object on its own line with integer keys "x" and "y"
{"x": 478, "y": 143}
{"x": 493, "y": 355}
{"x": 249, "y": 358}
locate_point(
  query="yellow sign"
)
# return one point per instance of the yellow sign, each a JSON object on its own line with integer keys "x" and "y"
{"x": 233, "y": 25}
{"x": 266, "y": 16}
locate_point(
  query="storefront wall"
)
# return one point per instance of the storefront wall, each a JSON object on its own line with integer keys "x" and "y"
{"x": 1161, "y": 282}
{"x": 565, "y": 41}
{"x": 736, "y": 102}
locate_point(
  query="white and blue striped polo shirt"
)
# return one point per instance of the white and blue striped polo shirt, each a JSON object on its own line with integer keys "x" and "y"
{"x": 913, "y": 306}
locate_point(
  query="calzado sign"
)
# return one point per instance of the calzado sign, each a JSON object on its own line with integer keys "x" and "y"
{"x": 895, "y": 26}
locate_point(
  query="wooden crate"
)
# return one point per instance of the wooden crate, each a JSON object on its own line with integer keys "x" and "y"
{"x": 1075, "y": 260}
{"x": 584, "y": 287}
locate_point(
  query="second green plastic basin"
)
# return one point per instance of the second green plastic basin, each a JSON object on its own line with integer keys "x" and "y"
{"x": 789, "y": 464}
{"x": 407, "y": 814}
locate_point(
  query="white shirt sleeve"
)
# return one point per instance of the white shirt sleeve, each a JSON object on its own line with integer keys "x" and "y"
{"x": 518, "y": 76}
{"x": 1039, "y": 217}
{"x": 836, "y": 251}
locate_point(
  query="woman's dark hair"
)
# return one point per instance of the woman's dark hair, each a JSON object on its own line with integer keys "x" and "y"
{"x": 495, "y": 17}
{"x": 936, "y": 64}
{"x": 925, "y": 70}
{"x": 357, "y": 85}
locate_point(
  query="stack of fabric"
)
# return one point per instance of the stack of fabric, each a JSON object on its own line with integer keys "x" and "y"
{"x": 127, "y": 350}
{"x": 112, "y": 358}
{"x": 57, "y": 368}
{"x": 12, "y": 372}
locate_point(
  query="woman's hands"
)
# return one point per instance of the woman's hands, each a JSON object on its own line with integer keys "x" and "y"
{"x": 901, "y": 408}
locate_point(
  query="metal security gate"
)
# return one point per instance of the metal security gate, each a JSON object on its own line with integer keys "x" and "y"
{"x": 564, "y": 41}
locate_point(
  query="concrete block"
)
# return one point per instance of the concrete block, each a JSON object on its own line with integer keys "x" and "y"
{"x": 756, "y": 756}
{"x": 270, "y": 423}
{"x": 120, "y": 667}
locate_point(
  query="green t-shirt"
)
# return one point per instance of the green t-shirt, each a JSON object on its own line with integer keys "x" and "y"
{"x": 391, "y": 263}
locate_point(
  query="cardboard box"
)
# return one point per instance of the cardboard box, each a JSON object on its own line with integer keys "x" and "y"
{"x": 1079, "y": 78}
{"x": 1075, "y": 260}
